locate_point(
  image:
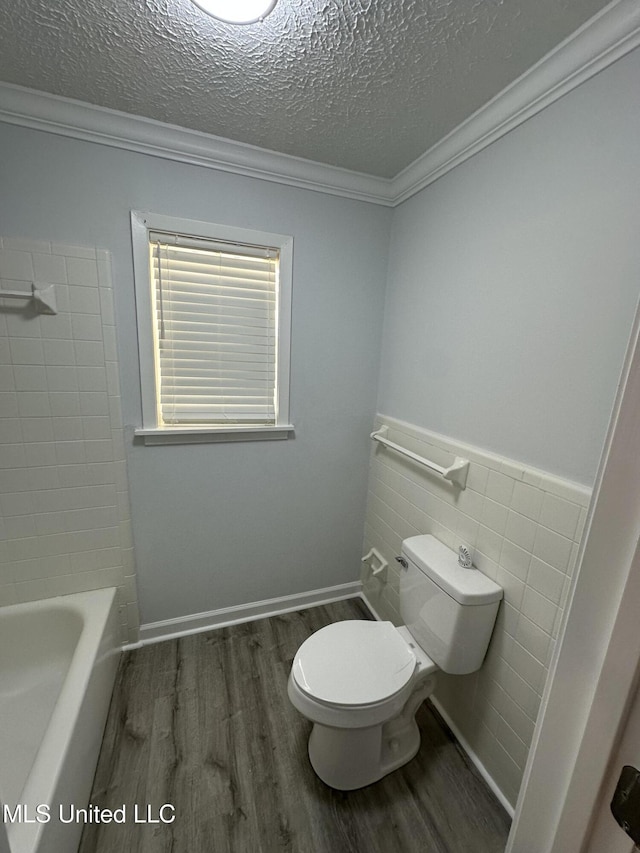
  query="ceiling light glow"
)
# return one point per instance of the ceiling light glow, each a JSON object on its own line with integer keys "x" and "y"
{"x": 237, "y": 11}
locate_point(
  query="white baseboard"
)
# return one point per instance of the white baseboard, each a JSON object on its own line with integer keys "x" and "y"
{"x": 482, "y": 770}
{"x": 370, "y": 607}
{"x": 169, "y": 629}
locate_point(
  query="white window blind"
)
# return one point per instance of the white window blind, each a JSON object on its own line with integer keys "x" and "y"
{"x": 215, "y": 316}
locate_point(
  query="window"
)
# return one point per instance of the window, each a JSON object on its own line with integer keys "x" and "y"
{"x": 213, "y": 306}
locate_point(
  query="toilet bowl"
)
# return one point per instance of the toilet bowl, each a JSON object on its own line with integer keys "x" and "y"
{"x": 360, "y": 683}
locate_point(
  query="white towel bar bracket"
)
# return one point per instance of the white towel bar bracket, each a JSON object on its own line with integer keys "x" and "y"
{"x": 455, "y": 473}
{"x": 42, "y": 295}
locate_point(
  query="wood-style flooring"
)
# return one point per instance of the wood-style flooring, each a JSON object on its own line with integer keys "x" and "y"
{"x": 204, "y": 723}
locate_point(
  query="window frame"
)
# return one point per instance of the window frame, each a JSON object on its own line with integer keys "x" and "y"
{"x": 142, "y": 223}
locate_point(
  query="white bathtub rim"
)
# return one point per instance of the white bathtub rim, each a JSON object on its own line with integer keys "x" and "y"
{"x": 95, "y": 608}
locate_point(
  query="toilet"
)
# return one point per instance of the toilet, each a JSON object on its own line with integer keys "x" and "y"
{"x": 360, "y": 683}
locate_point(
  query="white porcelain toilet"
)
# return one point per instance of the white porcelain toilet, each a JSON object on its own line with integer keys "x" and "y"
{"x": 361, "y": 682}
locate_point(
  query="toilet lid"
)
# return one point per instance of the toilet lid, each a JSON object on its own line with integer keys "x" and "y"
{"x": 353, "y": 663}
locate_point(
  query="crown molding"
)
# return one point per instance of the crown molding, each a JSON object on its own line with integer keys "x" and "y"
{"x": 604, "y": 39}
{"x": 79, "y": 120}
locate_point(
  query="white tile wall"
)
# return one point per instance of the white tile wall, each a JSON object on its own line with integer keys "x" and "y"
{"x": 522, "y": 527}
{"x": 65, "y": 525}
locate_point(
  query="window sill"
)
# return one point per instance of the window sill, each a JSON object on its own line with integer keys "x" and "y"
{"x": 204, "y": 435}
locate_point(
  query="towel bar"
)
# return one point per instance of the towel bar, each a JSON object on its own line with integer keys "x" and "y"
{"x": 455, "y": 473}
{"x": 43, "y": 296}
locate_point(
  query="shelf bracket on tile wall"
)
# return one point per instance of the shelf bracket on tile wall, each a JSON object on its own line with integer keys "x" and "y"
{"x": 43, "y": 297}
{"x": 455, "y": 473}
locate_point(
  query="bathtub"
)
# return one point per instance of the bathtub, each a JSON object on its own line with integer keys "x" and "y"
{"x": 58, "y": 660}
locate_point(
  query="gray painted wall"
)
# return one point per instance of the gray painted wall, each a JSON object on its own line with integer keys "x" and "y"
{"x": 513, "y": 281}
{"x": 224, "y": 524}
{"x": 512, "y": 284}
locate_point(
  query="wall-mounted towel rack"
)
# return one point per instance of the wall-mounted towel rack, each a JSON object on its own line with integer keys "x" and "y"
{"x": 456, "y": 473}
{"x": 42, "y": 295}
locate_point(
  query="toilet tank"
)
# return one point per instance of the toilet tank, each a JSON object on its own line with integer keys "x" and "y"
{"x": 449, "y": 610}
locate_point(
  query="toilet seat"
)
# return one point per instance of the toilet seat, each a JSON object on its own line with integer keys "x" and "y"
{"x": 354, "y": 663}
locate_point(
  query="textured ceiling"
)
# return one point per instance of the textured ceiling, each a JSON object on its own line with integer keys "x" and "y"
{"x": 364, "y": 84}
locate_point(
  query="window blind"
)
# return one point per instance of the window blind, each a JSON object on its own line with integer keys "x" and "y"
{"x": 215, "y": 325}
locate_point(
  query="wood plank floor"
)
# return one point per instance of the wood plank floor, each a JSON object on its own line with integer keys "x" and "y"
{"x": 204, "y": 723}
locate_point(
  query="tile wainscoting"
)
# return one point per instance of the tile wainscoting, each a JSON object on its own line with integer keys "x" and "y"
{"x": 523, "y": 527}
{"x": 65, "y": 522}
